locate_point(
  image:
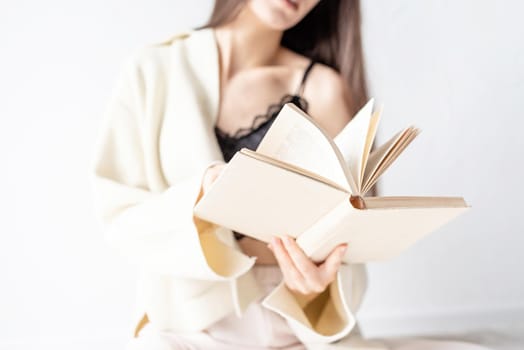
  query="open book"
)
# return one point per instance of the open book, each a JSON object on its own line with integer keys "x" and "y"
{"x": 301, "y": 182}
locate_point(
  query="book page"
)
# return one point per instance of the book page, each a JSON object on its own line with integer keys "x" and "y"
{"x": 295, "y": 138}
{"x": 291, "y": 167}
{"x": 373, "y": 125}
{"x": 380, "y": 162}
{"x": 352, "y": 141}
{"x": 413, "y": 202}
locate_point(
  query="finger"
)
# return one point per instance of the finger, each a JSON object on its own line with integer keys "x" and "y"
{"x": 209, "y": 178}
{"x": 284, "y": 260}
{"x": 330, "y": 266}
{"x": 304, "y": 265}
{"x": 293, "y": 277}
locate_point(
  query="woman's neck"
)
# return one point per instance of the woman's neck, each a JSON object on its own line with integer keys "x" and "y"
{"x": 246, "y": 42}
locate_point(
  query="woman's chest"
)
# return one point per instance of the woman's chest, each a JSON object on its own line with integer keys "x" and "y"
{"x": 251, "y": 94}
{"x": 184, "y": 138}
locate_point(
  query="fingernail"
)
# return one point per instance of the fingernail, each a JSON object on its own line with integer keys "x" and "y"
{"x": 343, "y": 249}
{"x": 274, "y": 240}
{"x": 270, "y": 247}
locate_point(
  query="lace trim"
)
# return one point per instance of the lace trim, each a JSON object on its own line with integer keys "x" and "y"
{"x": 272, "y": 112}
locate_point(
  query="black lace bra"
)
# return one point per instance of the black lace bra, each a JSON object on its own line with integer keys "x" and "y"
{"x": 250, "y": 137}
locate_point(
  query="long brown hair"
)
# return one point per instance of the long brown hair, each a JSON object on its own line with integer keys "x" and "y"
{"x": 329, "y": 33}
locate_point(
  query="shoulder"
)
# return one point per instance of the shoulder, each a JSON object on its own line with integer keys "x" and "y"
{"x": 150, "y": 62}
{"x": 326, "y": 84}
{"x": 328, "y": 95}
{"x": 154, "y": 52}
{"x": 160, "y": 52}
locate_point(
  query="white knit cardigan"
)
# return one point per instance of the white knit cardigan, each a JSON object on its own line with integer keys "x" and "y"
{"x": 156, "y": 140}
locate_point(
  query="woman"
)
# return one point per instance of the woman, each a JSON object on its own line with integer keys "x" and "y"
{"x": 180, "y": 109}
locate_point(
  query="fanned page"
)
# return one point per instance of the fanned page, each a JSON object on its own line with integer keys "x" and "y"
{"x": 295, "y": 138}
{"x": 380, "y": 160}
{"x": 373, "y": 125}
{"x": 394, "y": 154}
{"x": 355, "y": 139}
{"x": 377, "y": 233}
{"x": 261, "y": 199}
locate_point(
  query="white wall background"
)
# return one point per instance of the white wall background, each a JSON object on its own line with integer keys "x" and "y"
{"x": 453, "y": 68}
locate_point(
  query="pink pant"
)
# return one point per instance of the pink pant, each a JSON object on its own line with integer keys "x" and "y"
{"x": 260, "y": 328}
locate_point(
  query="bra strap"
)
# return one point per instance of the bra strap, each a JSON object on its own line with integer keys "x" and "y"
{"x": 300, "y": 89}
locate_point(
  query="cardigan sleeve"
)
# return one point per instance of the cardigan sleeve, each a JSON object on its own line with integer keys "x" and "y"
{"x": 152, "y": 227}
{"x": 331, "y": 315}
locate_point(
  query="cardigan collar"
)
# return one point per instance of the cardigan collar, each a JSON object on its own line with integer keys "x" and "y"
{"x": 201, "y": 51}
{"x": 203, "y": 57}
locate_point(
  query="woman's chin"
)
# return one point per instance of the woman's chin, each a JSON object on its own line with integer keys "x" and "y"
{"x": 281, "y": 14}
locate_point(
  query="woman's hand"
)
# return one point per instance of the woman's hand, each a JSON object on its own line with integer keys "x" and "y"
{"x": 211, "y": 175}
{"x": 301, "y": 275}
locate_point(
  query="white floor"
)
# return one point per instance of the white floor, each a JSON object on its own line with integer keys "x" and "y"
{"x": 499, "y": 340}
{"x": 494, "y": 339}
